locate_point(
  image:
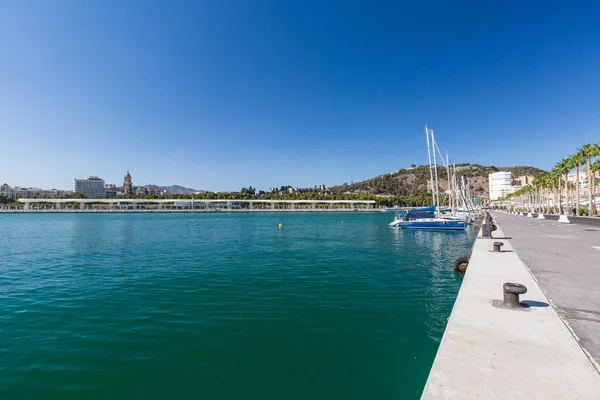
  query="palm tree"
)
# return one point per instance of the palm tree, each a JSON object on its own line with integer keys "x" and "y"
{"x": 544, "y": 183}
{"x": 556, "y": 189}
{"x": 595, "y": 168}
{"x": 596, "y": 165}
{"x": 567, "y": 165}
{"x": 551, "y": 186}
{"x": 538, "y": 183}
{"x": 578, "y": 159}
{"x": 590, "y": 151}
{"x": 558, "y": 168}
{"x": 552, "y": 183}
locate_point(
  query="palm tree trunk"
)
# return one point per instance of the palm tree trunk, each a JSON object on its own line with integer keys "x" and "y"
{"x": 577, "y": 189}
{"x": 590, "y": 186}
{"x": 553, "y": 201}
{"x": 541, "y": 194}
{"x": 541, "y": 200}
{"x": 593, "y": 191}
{"x": 521, "y": 203}
{"x": 559, "y": 197}
{"x": 567, "y": 208}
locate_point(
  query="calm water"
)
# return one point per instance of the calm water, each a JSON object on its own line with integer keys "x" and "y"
{"x": 221, "y": 306}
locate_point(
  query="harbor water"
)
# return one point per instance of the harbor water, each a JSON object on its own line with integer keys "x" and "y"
{"x": 221, "y": 306}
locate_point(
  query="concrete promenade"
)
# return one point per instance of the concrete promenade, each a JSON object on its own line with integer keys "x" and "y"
{"x": 494, "y": 353}
{"x": 188, "y": 205}
{"x": 565, "y": 260}
{"x": 182, "y": 210}
{"x": 578, "y": 220}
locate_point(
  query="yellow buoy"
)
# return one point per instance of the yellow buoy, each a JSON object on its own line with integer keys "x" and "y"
{"x": 280, "y": 225}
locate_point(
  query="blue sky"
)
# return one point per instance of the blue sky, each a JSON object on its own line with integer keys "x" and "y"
{"x": 222, "y": 94}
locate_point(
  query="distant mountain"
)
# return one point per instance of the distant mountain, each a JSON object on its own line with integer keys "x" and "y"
{"x": 413, "y": 181}
{"x": 174, "y": 189}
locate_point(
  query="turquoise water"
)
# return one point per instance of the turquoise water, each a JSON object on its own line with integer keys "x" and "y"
{"x": 221, "y": 306}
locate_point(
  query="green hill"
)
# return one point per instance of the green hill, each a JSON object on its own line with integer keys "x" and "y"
{"x": 413, "y": 181}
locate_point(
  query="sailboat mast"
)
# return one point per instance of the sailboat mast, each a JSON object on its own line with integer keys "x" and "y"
{"x": 437, "y": 196}
{"x": 429, "y": 158}
{"x": 449, "y": 189}
{"x": 455, "y": 186}
{"x": 465, "y": 194}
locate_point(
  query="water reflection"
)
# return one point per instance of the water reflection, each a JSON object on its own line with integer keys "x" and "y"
{"x": 435, "y": 252}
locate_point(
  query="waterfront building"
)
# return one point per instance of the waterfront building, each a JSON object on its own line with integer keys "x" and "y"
{"x": 6, "y": 190}
{"x": 90, "y": 187}
{"x": 127, "y": 188}
{"x": 37, "y": 192}
{"x": 111, "y": 189}
{"x": 500, "y": 184}
{"x": 583, "y": 176}
{"x": 523, "y": 180}
{"x": 17, "y": 191}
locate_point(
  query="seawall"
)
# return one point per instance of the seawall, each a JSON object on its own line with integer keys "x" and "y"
{"x": 494, "y": 353}
{"x": 254, "y": 211}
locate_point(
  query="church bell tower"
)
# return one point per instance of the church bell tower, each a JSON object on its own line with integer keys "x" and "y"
{"x": 127, "y": 185}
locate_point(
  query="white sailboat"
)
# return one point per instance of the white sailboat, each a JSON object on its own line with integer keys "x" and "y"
{"x": 429, "y": 217}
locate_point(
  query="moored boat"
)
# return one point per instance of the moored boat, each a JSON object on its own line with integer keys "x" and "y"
{"x": 430, "y": 217}
{"x": 426, "y": 218}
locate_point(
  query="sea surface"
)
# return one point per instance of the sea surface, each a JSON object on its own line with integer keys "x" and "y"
{"x": 221, "y": 306}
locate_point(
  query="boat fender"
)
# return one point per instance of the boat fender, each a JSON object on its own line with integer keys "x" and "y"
{"x": 461, "y": 263}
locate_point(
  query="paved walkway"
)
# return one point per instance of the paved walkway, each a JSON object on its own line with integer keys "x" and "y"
{"x": 578, "y": 220}
{"x": 496, "y": 353}
{"x": 565, "y": 260}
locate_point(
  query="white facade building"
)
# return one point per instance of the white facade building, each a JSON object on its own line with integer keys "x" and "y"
{"x": 500, "y": 184}
{"x": 91, "y": 187}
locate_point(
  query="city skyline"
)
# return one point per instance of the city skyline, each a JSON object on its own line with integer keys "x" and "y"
{"x": 223, "y": 95}
{"x": 127, "y": 180}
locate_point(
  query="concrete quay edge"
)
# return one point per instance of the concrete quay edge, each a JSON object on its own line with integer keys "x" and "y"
{"x": 492, "y": 353}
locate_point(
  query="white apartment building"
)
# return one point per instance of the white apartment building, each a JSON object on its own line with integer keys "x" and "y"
{"x": 500, "y": 184}
{"x": 91, "y": 187}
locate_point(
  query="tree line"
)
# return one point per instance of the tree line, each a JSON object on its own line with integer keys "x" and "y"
{"x": 551, "y": 185}
{"x": 418, "y": 200}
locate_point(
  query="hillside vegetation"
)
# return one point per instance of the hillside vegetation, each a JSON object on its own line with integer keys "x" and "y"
{"x": 413, "y": 181}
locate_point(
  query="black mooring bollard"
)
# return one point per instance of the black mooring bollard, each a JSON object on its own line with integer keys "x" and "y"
{"x": 488, "y": 226}
{"x": 497, "y": 246}
{"x": 511, "y": 294}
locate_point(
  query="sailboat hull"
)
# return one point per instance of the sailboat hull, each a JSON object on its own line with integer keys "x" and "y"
{"x": 434, "y": 223}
